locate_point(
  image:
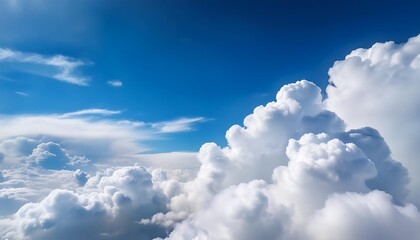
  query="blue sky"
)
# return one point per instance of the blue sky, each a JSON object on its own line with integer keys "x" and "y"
{"x": 190, "y": 119}
{"x": 210, "y": 59}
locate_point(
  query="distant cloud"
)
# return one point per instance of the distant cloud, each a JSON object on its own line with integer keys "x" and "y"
{"x": 22, "y": 94}
{"x": 117, "y": 200}
{"x": 89, "y": 132}
{"x": 91, "y": 111}
{"x": 51, "y": 155}
{"x": 81, "y": 177}
{"x": 115, "y": 83}
{"x": 63, "y": 67}
{"x": 178, "y": 125}
{"x": 100, "y": 138}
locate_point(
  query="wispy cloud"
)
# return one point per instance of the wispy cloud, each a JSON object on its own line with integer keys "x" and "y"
{"x": 102, "y": 138}
{"x": 91, "y": 111}
{"x": 115, "y": 83}
{"x": 178, "y": 125}
{"x": 22, "y": 94}
{"x": 64, "y": 68}
{"x": 92, "y": 132}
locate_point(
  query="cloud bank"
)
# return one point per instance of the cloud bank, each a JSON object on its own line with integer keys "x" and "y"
{"x": 299, "y": 168}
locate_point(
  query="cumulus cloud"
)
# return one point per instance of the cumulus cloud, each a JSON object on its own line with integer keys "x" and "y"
{"x": 364, "y": 216}
{"x": 51, "y": 155}
{"x": 106, "y": 208}
{"x": 378, "y": 87}
{"x": 320, "y": 168}
{"x": 24, "y": 184}
{"x": 115, "y": 83}
{"x": 12, "y": 149}
{"x": 81, "y": 177}
{"x": 62, "y": 68}
{"x": 294, "y": 170}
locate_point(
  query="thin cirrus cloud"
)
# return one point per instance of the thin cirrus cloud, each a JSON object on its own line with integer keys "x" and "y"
{"x": 22, "y": 94}
{"x": 60, "y": 67}
{"x": 178, "y": 125}
{"x": 91, "y": 111}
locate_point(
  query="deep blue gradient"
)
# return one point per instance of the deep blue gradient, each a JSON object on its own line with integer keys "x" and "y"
{"x": 188, "y": 58}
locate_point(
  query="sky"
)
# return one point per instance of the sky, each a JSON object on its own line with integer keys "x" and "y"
{"x": 183, "y": 59}
{"x": 185, "y": 119}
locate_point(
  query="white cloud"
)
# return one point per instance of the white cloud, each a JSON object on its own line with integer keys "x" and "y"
{"x": 168, "y": 160}
{"x": 107, "y": 207}
{"x": 303, "y": 201}
{"x": 378, "y": 87}
{"x": 51, "y": 155}
{"x": 97, "y": 138}
{"x": 91, "y": 111}
{"x": 29, "y": 184}
{"x": 87, "y": 132}
{"x": 115, "y": 83}
{"x": 81, "y": 177}
{"x": 258, "y": 147}
{"x": 365, "y": 217}
{"x": 22, "y": 94}
{"x": 63, "y": 68}
{"x": 91, "y": 133}
{"x": 178, "y": 125}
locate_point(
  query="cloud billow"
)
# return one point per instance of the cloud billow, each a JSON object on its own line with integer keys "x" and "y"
{"x": 299, "y": 168}
{"x": 378, "y": 87}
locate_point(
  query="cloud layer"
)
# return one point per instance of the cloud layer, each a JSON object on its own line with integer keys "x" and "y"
{"x": 299, "y": 168}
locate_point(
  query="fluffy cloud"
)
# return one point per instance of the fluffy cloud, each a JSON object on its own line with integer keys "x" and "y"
{"x": 52, "y": 156}
{"x": 108, "y": 207}
{"x": 378, "y": 87}
{"x": 23, "y": 184}
{"x": 374, "y": 147}
{"x": 240, "y": 212}
{"x": 294, "y": 170}
{"x": 258, "y": 147}
{"x": 81, "y": 177}
{"x": 364, "y": 216}
{"x": 315, "y": 167}
{"x": 329, "y": 172}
